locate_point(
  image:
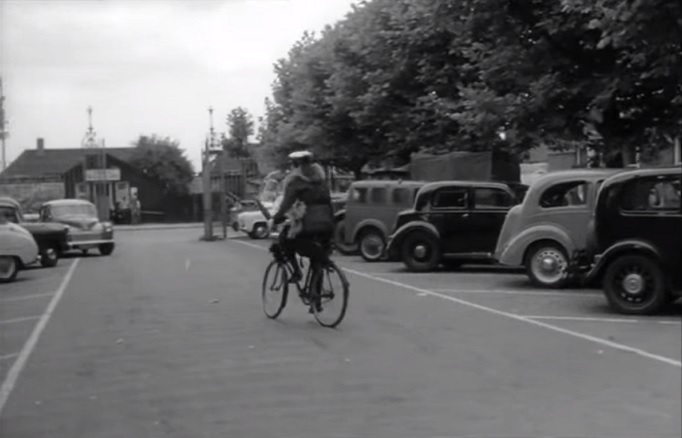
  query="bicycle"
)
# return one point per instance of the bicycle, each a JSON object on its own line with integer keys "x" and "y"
{"x": 312, "y": 291}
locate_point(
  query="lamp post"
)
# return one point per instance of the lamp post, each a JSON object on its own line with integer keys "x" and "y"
{"x": 210, "y": 149}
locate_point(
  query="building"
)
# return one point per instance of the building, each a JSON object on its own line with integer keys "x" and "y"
{"x": 42, "y": 174}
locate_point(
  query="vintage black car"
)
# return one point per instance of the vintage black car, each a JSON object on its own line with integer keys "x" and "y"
{"x": 51, "y": 238}
{"x": 451, "y": 222}
{"x": 637, "y": 240}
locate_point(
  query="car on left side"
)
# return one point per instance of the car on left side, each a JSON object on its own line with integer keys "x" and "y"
{"x": 18, "y": 249}
{"x": 50, "y": 238}
{"x": 86, "y": 231}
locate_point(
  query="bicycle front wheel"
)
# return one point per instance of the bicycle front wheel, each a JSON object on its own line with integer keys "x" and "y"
{"x": 275, "y": 289}
{"x": 329, "y": 295}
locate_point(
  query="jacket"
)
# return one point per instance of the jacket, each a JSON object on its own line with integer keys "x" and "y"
{"x": 307, "y": 202}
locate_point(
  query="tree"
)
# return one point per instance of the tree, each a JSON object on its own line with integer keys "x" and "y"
{"x": 162, "y": 159}
{"x": 240, "y": 128}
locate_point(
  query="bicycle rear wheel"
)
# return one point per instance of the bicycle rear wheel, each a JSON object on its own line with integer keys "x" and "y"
{"x": 330, "y": 295}
{"x": 275, "y": 289}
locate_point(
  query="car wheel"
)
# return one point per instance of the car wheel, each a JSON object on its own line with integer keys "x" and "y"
{"x": 106, "y": 249}
{"x": 547, "y": 265}
{"x": 421, "y": 252}
{"x": 635, "y": 285}
{"x": 9, "y": 267}
{"x": 372, "y": 245}
{"x": 49, "y": 257}
{"x": 260, "y": 231}
{"x": 340, "y": 239}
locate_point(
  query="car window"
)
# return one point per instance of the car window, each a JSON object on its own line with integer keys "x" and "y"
{"x": 359, "y": 195}
{"x": 491, "y": 198}
{"x": 451, "y": 198}
{"x": 8, "y": 214}
{"x": 401, "y": 196}
{"x": 378, "y": 195}
{"x": 652, "y": 195}
{"x": 565, "y": 195}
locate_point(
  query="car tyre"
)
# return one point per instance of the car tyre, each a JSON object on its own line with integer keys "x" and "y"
{"x": 420, "y": 252}
{"x": 547, "y": 265}
{"x": 49, "y": 256}
{"x": 260, "y": 231}
{"x": 9, "y": 267}
{"x": 635, "y": 285}
{"x": 340, "y": 240}
{"x": 372, "y": 245}
{"x": 106, "y": 249}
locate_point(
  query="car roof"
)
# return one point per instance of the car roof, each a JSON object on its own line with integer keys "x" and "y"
{"x": 483, "y": 184}
{"x": 636, "y": 173}
{"x": 387, "y": 182}
{"x": 68, "y": 202}
{"x": 7, "y": 201}
{"x": 573, "y": 174}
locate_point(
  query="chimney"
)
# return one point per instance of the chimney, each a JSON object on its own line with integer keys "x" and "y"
{"x": 40, "y": 146}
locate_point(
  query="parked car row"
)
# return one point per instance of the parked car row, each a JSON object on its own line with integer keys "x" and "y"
{"x": 621, "y": 228}
{"x": 61, "y": 226}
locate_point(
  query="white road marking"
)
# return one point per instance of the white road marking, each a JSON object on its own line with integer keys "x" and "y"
{"x": 596, "y": 319}
{"x": 513, "y": 292}
{"x": 594, "y": 339}
{"x": 188, "y": 263}
{"x": 8, "y": 356}
{"x": 25, "y": 297}
{"x": 29, "y": 346}
{"x": 22, "y": 319}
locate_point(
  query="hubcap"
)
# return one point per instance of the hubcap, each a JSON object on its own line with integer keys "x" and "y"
{"x": 420, "y": 251}
{"x": 549, "y": 265}
{"x": 633, "y": 284}
{"x": 51, "y": 254}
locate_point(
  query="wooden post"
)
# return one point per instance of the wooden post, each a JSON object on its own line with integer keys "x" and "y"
{"x": 223, "y": 205}
{"x": 206, "y": 180}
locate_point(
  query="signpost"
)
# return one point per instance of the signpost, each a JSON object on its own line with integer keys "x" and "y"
{"x": 98, "y": 175}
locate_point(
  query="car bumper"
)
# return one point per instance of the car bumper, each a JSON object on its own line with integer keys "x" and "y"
{"x": 82, "y": 244}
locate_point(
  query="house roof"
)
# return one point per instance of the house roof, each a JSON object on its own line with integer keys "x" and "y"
{"x": 35, "y": 163}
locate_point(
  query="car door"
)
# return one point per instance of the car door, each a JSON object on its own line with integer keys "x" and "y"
{"x": 449, "y": 213}
{"x": 490, "y": 207}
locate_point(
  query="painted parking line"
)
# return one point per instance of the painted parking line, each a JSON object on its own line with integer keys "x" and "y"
{"x": 18, "y": 320}
{"x": 512, "y": 292}
{"x": 8, "y": 356}
{"x": 29, "y": 346}
{"x": 596, "y": 319}
{"x": 25, "y": 297}
{"x": 535, "y": 322}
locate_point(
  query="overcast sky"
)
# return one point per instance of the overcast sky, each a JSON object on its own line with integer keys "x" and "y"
{"x": 145, "y": 66}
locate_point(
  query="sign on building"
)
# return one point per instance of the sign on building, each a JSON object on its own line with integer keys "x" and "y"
{"x": 112, "y": 174}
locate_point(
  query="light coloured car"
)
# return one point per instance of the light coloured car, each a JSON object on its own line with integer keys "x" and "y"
{"x": 254, "y": 222}
{"x": 86, "y": 231}
{"x": 550, "y": 227}
{"x": 18, "y": 249}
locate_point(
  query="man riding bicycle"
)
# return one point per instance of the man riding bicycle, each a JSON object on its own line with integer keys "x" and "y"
{"x": 308, "y": 206}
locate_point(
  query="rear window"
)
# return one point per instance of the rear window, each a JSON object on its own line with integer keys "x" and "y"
{"x": 359, "y": 195}
{"x": 378, "y": 195}
{"x": 565, "y": 195}
{"x": 451, "y": 198}
{"x": 491, "y": 198}
{"x": 652, "y": 195}
{"x": 402, "y": 196}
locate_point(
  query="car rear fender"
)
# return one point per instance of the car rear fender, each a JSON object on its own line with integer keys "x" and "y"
{"x": 632, "y": 246}
{"x": 515, "y": 250}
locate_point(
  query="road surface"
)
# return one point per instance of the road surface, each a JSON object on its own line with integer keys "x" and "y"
{"x": 166, "y": 338}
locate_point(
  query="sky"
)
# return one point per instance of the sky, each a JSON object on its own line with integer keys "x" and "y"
{"x": 145, "y": 66}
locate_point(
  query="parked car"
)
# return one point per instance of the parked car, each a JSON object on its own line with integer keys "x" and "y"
{"x": 546, "y": 231}
{"x": 254, "y": 222}
{"x": 371, "y": 210}
{"x": 451, "y": 222}
{"x": 86, "y": 232}
{"x": 637, "y": 232}
{"x": 51, "y": 238}
{"x": 18, "y": 250}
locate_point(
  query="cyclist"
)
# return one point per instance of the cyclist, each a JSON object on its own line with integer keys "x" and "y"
{"x": 307, "y": 203}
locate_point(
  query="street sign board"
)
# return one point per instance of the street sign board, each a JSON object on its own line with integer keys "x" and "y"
{"x": 103, "y": 174}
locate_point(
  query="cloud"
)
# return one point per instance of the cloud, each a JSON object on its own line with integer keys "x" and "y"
{"x": 147, "y": 67}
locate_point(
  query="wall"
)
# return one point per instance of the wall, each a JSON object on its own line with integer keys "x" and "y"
{"x": 31, "y": 195}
